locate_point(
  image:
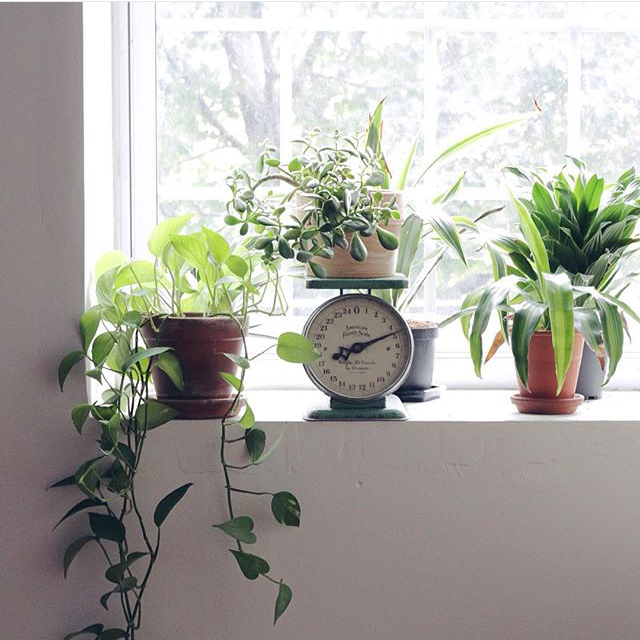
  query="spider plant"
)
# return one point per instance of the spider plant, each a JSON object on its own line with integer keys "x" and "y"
{"x": 558, "y": 272}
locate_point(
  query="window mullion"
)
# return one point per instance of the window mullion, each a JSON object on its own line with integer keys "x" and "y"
{"x": 574, "y": 81}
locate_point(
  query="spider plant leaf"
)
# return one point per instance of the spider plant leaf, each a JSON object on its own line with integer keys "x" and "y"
{"x": 447, "y": 195}
{"x": 525, "y": 320}
{"x": 445, "y": 228}
{"x": 559, "y": 298}
{"x": 406, "y": 169}
{"x": 374, "y": 130}
{"x": 410, "y": 235}
{"x": 457, "y": 146}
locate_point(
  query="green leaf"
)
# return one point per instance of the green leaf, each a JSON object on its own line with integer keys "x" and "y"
{"x": 292, "y": 347}
{"x": 115, "y": 573}
{"x": 79, "y": 415}
{"x": 318, "y": 270}
{"x": 265, "y": 456}
{"x": 72, "y": 551}
{"x": 170, "y": 364}
{"x": 237, "y": 266}
{"x": 525, "y": 321}
{"x": 533, "y": 237}
{"x": 168, "y": 503}
{"x": 101, "y": 348}
{"x": 444, "y": 197}
{"x": 286, "y": 509}
{"x": 374, "y": 130}
{"x": 357, "y": 250}
{"x": 65, "y": 482}
{"x": 447, "y": 231}
{"x": 161, "y": 235}
{"x": 87, "y": 476}
{"x": 491, "y": 297}
{"x": 255, "y": 440}
{"x": 250, "y": 565}
{"x": 141, "y": 355}
{"x": 241, "y": 361}
{"x": 248, "y": 419}
{"x": 153, "y": 414}
{"x": 235, "y": 382}
{"x": 282, "y": 601}
{"x": 107, "y": 527}
{"x": 87, "y": 503}
{"x": 67, "y": 363}
{"x": 219, "y": 248}
{"x": 192, "y": 248}
{"x": 112, "y": 634}
{"x": 240, "y": 528}
{"x": 95, "y": 629}
{"x": 588, "y": 324}
{"x": 406, "y": 168}
{"x": 457, "y": 146}
{"x": 612, "y": 333}
{"x": 107, "y": 261}
{"x": 135, "y": 273}
{"x": 89, "y": 323}
{"x": 388, "y": 240}
{"x": 559, "y": 297}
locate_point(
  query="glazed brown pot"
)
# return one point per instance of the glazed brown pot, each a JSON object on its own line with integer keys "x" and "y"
{"x": 541, "y": 396}
{"x": 199, "y": 344}
{"x": 380, "y": 262}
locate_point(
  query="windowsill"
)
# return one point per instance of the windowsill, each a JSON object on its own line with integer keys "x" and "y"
{"x": 455, "y": 406}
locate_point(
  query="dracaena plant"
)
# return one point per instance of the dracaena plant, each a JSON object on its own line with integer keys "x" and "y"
{"x": 339, "y": 204}
{"x": 558, "y": 273}
{"x": 191, "y": 273}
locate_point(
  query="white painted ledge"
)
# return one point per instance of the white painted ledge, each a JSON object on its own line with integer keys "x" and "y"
{"x": 454, "y": 407}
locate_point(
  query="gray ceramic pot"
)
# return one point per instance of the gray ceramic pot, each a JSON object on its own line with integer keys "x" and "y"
{"x": 420, "y": 378}
{"x": 591, "y": 376}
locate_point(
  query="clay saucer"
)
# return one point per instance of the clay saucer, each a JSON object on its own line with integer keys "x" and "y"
{"x": 547, "y": 406}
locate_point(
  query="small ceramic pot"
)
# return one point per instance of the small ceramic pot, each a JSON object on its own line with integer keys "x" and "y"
{"x": 199, "y": 344}
{"x": 380, "y": 262}
{"x": 420, "y": 378}
{"x": 541, "y": 397}
{"x": 591, "y": 376}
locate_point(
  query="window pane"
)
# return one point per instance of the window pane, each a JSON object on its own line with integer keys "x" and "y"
{"x": 499, "y": 10}
{"x": 497, "y": 74}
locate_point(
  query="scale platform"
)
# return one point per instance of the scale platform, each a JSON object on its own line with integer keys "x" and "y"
{"x": 332, "y": 410}
{"x": 398, "y": 281}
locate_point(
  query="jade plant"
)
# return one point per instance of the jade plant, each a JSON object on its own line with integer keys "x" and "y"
{"x": 558, "y": 272}
{"x": 191, "y": 273}
{"x": 339, "y": 203}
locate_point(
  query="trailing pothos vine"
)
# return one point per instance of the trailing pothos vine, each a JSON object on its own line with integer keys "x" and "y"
{"x": 122, "y": 419}
{"x": 196, "y": 273}
{"x": 284, "y": 505}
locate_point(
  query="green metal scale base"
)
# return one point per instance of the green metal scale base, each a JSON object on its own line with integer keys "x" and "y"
{"x": 334, "y": 410}
{"x": 389, "y": 408}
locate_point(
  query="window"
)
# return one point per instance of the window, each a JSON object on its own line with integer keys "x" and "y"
{"x": 207, "y": 83}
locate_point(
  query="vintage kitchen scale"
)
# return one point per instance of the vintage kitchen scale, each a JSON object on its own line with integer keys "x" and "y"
{"x": 366, "y": 351}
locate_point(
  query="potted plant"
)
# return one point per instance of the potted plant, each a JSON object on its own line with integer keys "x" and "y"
{"x": 552, "y": 284}
{"x": 194, "y": 273}
{"x": 194, "y": 299}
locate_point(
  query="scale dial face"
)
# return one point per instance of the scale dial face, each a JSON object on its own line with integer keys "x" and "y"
{"x": 365, "y": 346}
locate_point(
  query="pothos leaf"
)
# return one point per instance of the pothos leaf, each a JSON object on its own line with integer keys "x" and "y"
{"x": 282, "y": 601}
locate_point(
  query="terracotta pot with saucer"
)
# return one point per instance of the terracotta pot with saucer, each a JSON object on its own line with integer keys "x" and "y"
{"x": 541, "y": 397}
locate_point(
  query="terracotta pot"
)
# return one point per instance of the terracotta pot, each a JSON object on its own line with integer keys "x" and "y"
{"x": 380, "y": 262}
{"x": 199, "y": 344}
{"x": 541, "y": 396}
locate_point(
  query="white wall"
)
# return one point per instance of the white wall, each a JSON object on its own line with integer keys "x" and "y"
{"x": 445, "y": 531}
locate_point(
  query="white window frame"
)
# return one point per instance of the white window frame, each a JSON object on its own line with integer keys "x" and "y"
{"x": 136, "y": 192}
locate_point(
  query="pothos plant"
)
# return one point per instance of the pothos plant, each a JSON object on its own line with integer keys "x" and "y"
{"x": 558, "y": 272}
{"x": 196, "y": 273}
